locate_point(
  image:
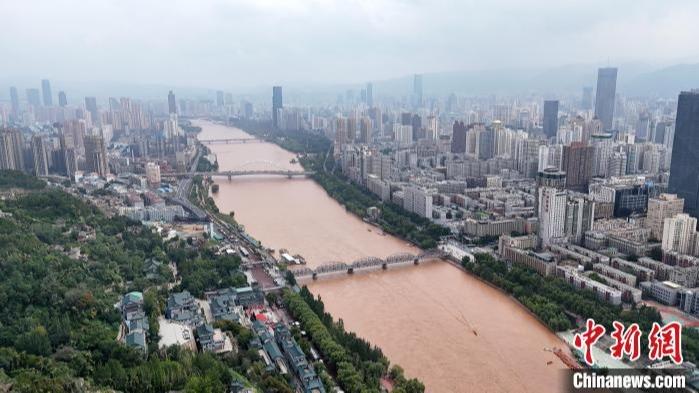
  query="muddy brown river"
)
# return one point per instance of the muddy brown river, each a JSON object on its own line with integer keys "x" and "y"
{"x": 440, "y": 324}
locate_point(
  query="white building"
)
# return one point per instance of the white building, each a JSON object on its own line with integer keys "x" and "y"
{"x": 679, "y": 234}
{"x": 552, "y": 214}
{"x": 418, "y": 200}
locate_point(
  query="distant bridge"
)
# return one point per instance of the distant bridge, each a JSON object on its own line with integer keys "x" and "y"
{"x": 230, "y": 141}
{"x": 231, "y": 174}
{"x": 274, "y": 169}
{"x": 363, "y": 265}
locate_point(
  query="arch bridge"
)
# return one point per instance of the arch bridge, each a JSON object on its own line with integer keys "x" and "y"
{"x": 367, "y": 264}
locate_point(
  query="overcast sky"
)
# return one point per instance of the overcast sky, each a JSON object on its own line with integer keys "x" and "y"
{"x": 233, "y": 43}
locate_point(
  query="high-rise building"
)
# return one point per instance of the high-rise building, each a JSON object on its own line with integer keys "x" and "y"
{"x": 577, "y": 164}
{"x": 277, "y": 105}
{"x": 33, "y": 97}
{"x": 369, "y": 94}
{"x": 550, "y": 118}
{"x": 659, "y": 208}
{"x": 418, "y": 200}
{"x": 14, "y": 99}
{"x": 11, "y": 149}
{"x": 171, "y": 102}
{"x": 586, "y": 103}
{"x": 39, "y": 156}
{"x": 153, "y": 174}
{"x": 684, "y": 177}
{"x": 458, "y": 137}
{"x": 365, "y": 130}
{"x": 91, "y": 106}
{"x": 552, "y": 214}
{"x": 62, "y": 99}
{"x": 96, "y": 155}
{"x": 679, "y": 234}
{"x": 69, "y": 151}
{"x": 219, "y": 98}
{"x": 46, "y": 92}
{"x": 247, "y": 110}
{"x": 417, "y": 90}
{"x": 580, "y": 214}
{"x": 605, "y": 98}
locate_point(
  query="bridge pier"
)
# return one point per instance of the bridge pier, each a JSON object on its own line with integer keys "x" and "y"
{"x": 315, "y": 276}
{"x": 229, "y": 177}
{"x": 416, "y": 261}
{"x": 384, "y": 266}
{"x": 350, "y": 270}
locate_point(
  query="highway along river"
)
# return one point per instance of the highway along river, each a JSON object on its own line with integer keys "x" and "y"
{"x": 441, "y": 325}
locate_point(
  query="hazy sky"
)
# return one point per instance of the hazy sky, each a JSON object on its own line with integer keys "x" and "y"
{"x": 230, "y": 43}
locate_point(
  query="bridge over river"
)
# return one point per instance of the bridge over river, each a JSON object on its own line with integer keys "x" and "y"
{"x": 367, "y": 264}
{"x": 230, "y": 141}
{"x": 250, "y": 168}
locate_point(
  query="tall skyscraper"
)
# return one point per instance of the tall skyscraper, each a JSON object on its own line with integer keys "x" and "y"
{"x": 91, "y": 106}
{"x": 62, "y": 99}
{"x": 605, "y": 98}
{"x": 171, "y": 102}
{"x": 586, "y": 103}
{"x": 577, "y": 164}
{"x": 552, "y": 213}
{"x": 417, "y": 90}
{"x": 369, "y": 94}
{"x": 219, "y": 98}
{"x": 550, "y": 118}
{"x": 39, "y": 156}
{"x": 33, "y": 97}
{"x": 684, "y": 177}
{"x": 96, "y": 155}
{"x": 458, "y": 138}
{"x": 46, "y": 92}
{"x": 277, "y": 105}
{"x": 14, "y": 99}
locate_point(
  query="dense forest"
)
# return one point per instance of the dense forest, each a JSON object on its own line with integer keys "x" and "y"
{"x": 551, "y": 297}
{"x": 65, "y": 265}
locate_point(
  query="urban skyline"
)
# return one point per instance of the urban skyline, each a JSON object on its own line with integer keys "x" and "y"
{"x": 395, "y": 196}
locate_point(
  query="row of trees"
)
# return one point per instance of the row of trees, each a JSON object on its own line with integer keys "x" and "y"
{"x": 297, "y": 141}
{"x": 394, "y": 219}
{"x": 357, "y": 364}
{"x": 550, "y": 298}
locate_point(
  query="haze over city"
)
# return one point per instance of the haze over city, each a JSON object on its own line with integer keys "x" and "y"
{"x": 241, "y": 44}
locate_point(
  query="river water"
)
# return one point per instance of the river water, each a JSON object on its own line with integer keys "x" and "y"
{"x": 440, "y": 324}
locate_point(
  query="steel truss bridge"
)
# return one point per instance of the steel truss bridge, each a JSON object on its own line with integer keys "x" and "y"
{"x": 272, "y": 169}
{"x": 230, "y": 141}
{"x": 334, "y": 268}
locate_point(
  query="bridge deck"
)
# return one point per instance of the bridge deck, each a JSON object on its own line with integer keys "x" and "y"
{"x": 365, "y": 264}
